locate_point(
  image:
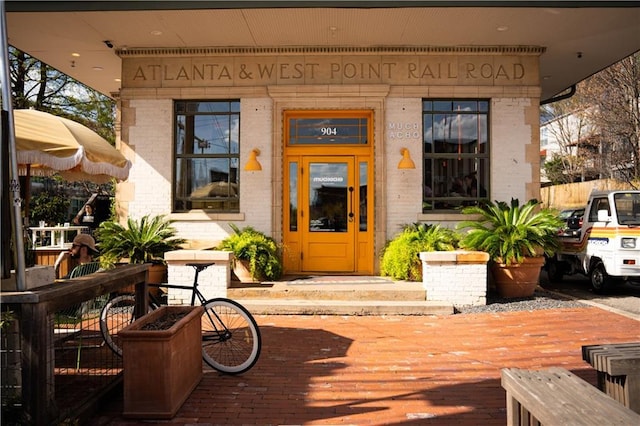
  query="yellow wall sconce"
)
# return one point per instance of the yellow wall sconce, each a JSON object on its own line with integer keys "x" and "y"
{"x": 253, "y": 165}
{"x": 406, "y": 162}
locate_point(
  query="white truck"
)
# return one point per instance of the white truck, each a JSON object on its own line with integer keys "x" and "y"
{"x": 604, "y": 244}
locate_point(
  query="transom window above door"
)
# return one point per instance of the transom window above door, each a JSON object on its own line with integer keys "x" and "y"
{"x": 328, "y": 131}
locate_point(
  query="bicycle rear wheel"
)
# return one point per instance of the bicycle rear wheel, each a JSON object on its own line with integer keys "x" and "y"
{"x": 231, "y": 339}
{"x": 116, "y": 315}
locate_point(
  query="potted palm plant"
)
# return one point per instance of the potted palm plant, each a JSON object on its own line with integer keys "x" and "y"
{"x": 516, "y": 239}
{"x": 140, "y": 241}
{"x": 256, "y": 256}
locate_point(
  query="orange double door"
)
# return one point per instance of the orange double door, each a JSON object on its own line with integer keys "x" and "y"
{"x": 328, "y": 193}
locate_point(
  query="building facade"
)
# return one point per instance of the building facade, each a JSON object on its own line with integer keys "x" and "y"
{"x": 328, "y": 128}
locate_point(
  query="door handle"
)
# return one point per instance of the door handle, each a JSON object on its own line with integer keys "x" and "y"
{"x": 351, "y": 214}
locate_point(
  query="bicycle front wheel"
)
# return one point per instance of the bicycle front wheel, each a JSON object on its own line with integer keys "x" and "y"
{"x": 116, "y": 315}
{"x": 231, "y": 339}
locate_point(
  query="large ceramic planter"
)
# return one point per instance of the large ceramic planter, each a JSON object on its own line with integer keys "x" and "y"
{"x": 517, "y": 280}
{"x": 161, "y": 366}
{"x": 242, "y": 271}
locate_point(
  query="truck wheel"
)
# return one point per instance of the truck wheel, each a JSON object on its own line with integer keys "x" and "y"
{"x": 600, "y": 280}
{"x": 555, "y": 271}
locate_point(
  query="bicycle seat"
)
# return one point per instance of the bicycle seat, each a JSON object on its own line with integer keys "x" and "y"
{"x": 200, "y": 266}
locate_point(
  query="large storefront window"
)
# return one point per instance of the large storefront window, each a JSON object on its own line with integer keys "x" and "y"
{"x": 455, "y": 153}
{"x": 207, "y": 154}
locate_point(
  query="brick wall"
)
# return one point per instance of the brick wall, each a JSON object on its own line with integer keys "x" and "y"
{"x": 404, "y": 186}
{"x": 256, "y": 130}
{"x": 212, "y": 282}
{"x": 458, "y": 277}
{"x": 511, "y": 138}
{"x": 147, "y": 132}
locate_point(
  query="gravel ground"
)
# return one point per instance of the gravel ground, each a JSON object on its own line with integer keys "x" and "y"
{"x": 541, "y": 299}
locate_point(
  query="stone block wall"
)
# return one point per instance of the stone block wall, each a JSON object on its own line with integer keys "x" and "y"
{"x": 458, "y": 277}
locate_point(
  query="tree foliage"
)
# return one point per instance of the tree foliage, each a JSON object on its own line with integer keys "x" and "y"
{"x": 36, "y": 85}
{"x": 598, "y": 129}
{"x": 51, "y": 206}
{"x": 570, "y": 128}
{"x": 615, "y": 96}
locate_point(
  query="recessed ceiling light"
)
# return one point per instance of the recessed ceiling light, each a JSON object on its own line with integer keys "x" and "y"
{"x": 502, "y": 28}
{"x": 156, "y": 32}
{"x": 98, "y": 68}
{"x": 75, "y": 55}
{"x": 117, "y": 79}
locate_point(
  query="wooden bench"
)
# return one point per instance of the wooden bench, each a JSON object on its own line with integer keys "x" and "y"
{"x": 558, "y": 397}
{"x": 618, "y": 370}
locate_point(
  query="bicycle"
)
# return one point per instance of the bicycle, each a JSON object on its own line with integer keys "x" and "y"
{"x": 231, "y": 340}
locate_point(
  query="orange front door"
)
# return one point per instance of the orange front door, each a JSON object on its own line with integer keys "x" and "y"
{"x": 328, "y": 194}
{"x": 328, "y": 227}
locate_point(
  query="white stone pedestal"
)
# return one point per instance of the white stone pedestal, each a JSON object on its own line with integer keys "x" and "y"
{"x": 459, "y": 277}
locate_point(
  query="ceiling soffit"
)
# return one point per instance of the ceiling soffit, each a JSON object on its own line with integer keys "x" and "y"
{"x": 207, "y": 51}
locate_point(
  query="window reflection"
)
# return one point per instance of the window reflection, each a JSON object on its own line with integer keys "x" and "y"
{"x": 328, "y": 197}
{"x": 456, "y": 157}
{"x": 293, "y": 196}
{"x": 364, "y": 175}
{"x": 207, "y": 146}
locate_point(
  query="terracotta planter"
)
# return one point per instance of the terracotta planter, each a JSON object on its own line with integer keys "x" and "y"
{"x": 517, "y": 280}
{"x": 242, "y": 271}
{"x": 161, "y": 367}
{"x": 156, "y": 274}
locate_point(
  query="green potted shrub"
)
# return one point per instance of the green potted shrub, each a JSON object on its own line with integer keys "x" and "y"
{"x": 400, "y": 257}
{"x": 516, "y": 239}
{"x": 140, "y": 241}
{"x": 254, "y": 251}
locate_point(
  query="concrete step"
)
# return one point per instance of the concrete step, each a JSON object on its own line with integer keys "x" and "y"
{"x": 344, "y": 307}
{"x": 337, "y": 295}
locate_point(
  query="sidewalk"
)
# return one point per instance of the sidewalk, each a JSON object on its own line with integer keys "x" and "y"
{"x": 392, "y": 370}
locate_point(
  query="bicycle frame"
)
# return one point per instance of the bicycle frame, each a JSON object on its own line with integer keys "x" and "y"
{"x": 231, "y": 340}
{"x": 220, "y": 335}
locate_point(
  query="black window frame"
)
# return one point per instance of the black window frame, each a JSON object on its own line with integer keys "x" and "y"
{"x": 445, "y": 163}
{"x": 225, "y": 199}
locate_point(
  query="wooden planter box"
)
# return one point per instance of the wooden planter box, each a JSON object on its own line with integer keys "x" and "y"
{"x": 161, "y": 367}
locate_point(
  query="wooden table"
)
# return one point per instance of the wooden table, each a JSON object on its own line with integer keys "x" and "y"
{"x": 618, "y": 368}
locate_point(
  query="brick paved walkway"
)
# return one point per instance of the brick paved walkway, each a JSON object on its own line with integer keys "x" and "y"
{"x": 398, "y": 370}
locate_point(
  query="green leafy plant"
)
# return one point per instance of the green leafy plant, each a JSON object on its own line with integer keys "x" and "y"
{"x": 6, "y": 318}
{"x": 261, "y": 252}
{"x": 141, "y": 241}
{"x": 51, "y": 206}
{"x": 400, "y": 258}
{"x": 510, "y": 232}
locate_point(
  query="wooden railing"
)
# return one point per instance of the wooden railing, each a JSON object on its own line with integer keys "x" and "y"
{"x": 35, "y": 313}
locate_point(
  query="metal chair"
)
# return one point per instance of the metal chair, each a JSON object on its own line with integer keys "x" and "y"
{"x": 84, "y": 269}
{"x": 69, "y": 322}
